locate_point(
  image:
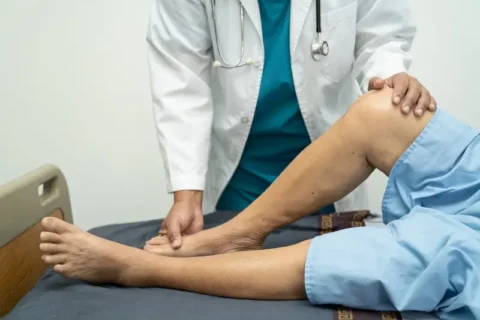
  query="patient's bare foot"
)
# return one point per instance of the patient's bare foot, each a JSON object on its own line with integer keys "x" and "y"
{"x": 222, "y": 239}
{"x": 80, "y": 255}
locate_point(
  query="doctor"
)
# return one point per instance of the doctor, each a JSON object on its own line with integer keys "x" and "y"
{"x": 240, "y": 88}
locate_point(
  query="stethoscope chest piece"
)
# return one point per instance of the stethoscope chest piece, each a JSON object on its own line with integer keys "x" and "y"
{"x": 319, "y": 49}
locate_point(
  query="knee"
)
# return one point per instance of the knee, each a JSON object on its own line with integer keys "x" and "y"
{"x": 374, "y": 107}
{"x": 375, "y": 114}
{"x": 380, "y": 128}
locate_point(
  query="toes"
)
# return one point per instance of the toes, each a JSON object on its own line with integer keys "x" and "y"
{"x": 158, "y": 241}
{"x": 56, "y": 225}
{"x": 60, "y": 268}
{"x": 51, "y": 237}
{"x": 51, "y": 248}
{"x": 163, "y": 250}
{"x": 48, "y": 224}
{"x": 53, "y": 259}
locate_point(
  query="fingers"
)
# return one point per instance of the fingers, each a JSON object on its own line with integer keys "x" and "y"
{"x": 376, "y": 83}
{"x": 170, "y": 232}
{"x": 182, "y": 217}
{"x": 433, "y": 105}
{"x": 163, "y": 227}
{"x": 389, "y": 82}
{"x": 401, "y": 84}
{"x": 412, "y": 96}
{"x": 423, "y": 103}
{"x": 174, "y": 235}
{"x": 196, "y": 226}
{"x": 163, "y": 233}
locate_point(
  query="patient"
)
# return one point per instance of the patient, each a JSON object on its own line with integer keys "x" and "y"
{"x": 427, "y": 258}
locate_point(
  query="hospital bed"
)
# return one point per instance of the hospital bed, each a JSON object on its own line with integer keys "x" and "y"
{"x": 30, "y": 290}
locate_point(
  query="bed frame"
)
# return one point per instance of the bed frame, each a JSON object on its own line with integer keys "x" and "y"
{"x": 23, "y": 203}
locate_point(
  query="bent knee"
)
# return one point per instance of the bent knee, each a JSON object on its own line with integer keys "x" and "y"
{"x": 377, "y": 106}
{"x": 385, "y": 131}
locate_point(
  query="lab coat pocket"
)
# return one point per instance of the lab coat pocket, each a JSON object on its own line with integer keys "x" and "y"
{"x": 339, "y": 32}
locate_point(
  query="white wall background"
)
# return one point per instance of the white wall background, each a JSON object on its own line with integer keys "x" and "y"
{"x": 85, "y": 63}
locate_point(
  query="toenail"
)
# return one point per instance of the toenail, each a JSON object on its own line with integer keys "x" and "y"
{"x": 47, "y": 221}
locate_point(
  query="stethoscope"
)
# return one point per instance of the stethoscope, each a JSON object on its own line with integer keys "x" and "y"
{"x": 319, "y": 48}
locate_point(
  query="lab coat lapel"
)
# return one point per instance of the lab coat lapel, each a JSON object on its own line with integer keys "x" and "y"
{"x": 298, "y": 15}
{"x": 253, "y": 11}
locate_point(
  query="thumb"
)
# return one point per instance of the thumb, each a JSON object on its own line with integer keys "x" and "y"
{"x": 389, "y": 82}
{"x": 376, "y": 83}
{"x": 174, "y": 234}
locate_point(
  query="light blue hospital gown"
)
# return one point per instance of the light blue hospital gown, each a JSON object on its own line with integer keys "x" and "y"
{"x": 428, "y": 256}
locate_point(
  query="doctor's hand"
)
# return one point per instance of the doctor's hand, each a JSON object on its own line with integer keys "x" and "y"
{"x": 408, "y": 93}
{"x": 185, "y": 217}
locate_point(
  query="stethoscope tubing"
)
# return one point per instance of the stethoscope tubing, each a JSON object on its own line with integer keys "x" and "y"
{"x": 319, "y": 48}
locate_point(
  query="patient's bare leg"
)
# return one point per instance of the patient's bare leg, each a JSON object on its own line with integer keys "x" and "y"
{"x": 372, "y": 134}
{"x": 275, "y": 274}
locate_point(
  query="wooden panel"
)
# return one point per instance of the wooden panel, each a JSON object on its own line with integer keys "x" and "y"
{"x": 21, "y": 266}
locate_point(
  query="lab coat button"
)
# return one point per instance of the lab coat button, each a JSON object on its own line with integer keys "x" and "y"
{"x": 245, "y": 120}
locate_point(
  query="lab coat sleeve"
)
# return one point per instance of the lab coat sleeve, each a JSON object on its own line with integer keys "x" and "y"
{"x": 179, "y": 58}
{"x": 385, "y": 33}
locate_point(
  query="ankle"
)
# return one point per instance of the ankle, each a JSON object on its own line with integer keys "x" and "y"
{"x": 246, "y": 228}
{"x": 123, "y": 271}
{"x": 132, "y": 267}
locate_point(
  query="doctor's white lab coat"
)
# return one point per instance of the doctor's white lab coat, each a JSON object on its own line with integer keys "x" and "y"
{"x": 203, "y": 114}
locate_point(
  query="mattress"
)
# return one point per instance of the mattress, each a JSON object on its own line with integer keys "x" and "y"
{"x": 55, "y": 297}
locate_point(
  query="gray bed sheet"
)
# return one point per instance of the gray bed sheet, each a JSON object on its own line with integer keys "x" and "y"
{"x": 55, "y": 297}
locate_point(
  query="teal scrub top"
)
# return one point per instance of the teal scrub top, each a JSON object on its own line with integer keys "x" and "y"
{"x": 278, "y": 133}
